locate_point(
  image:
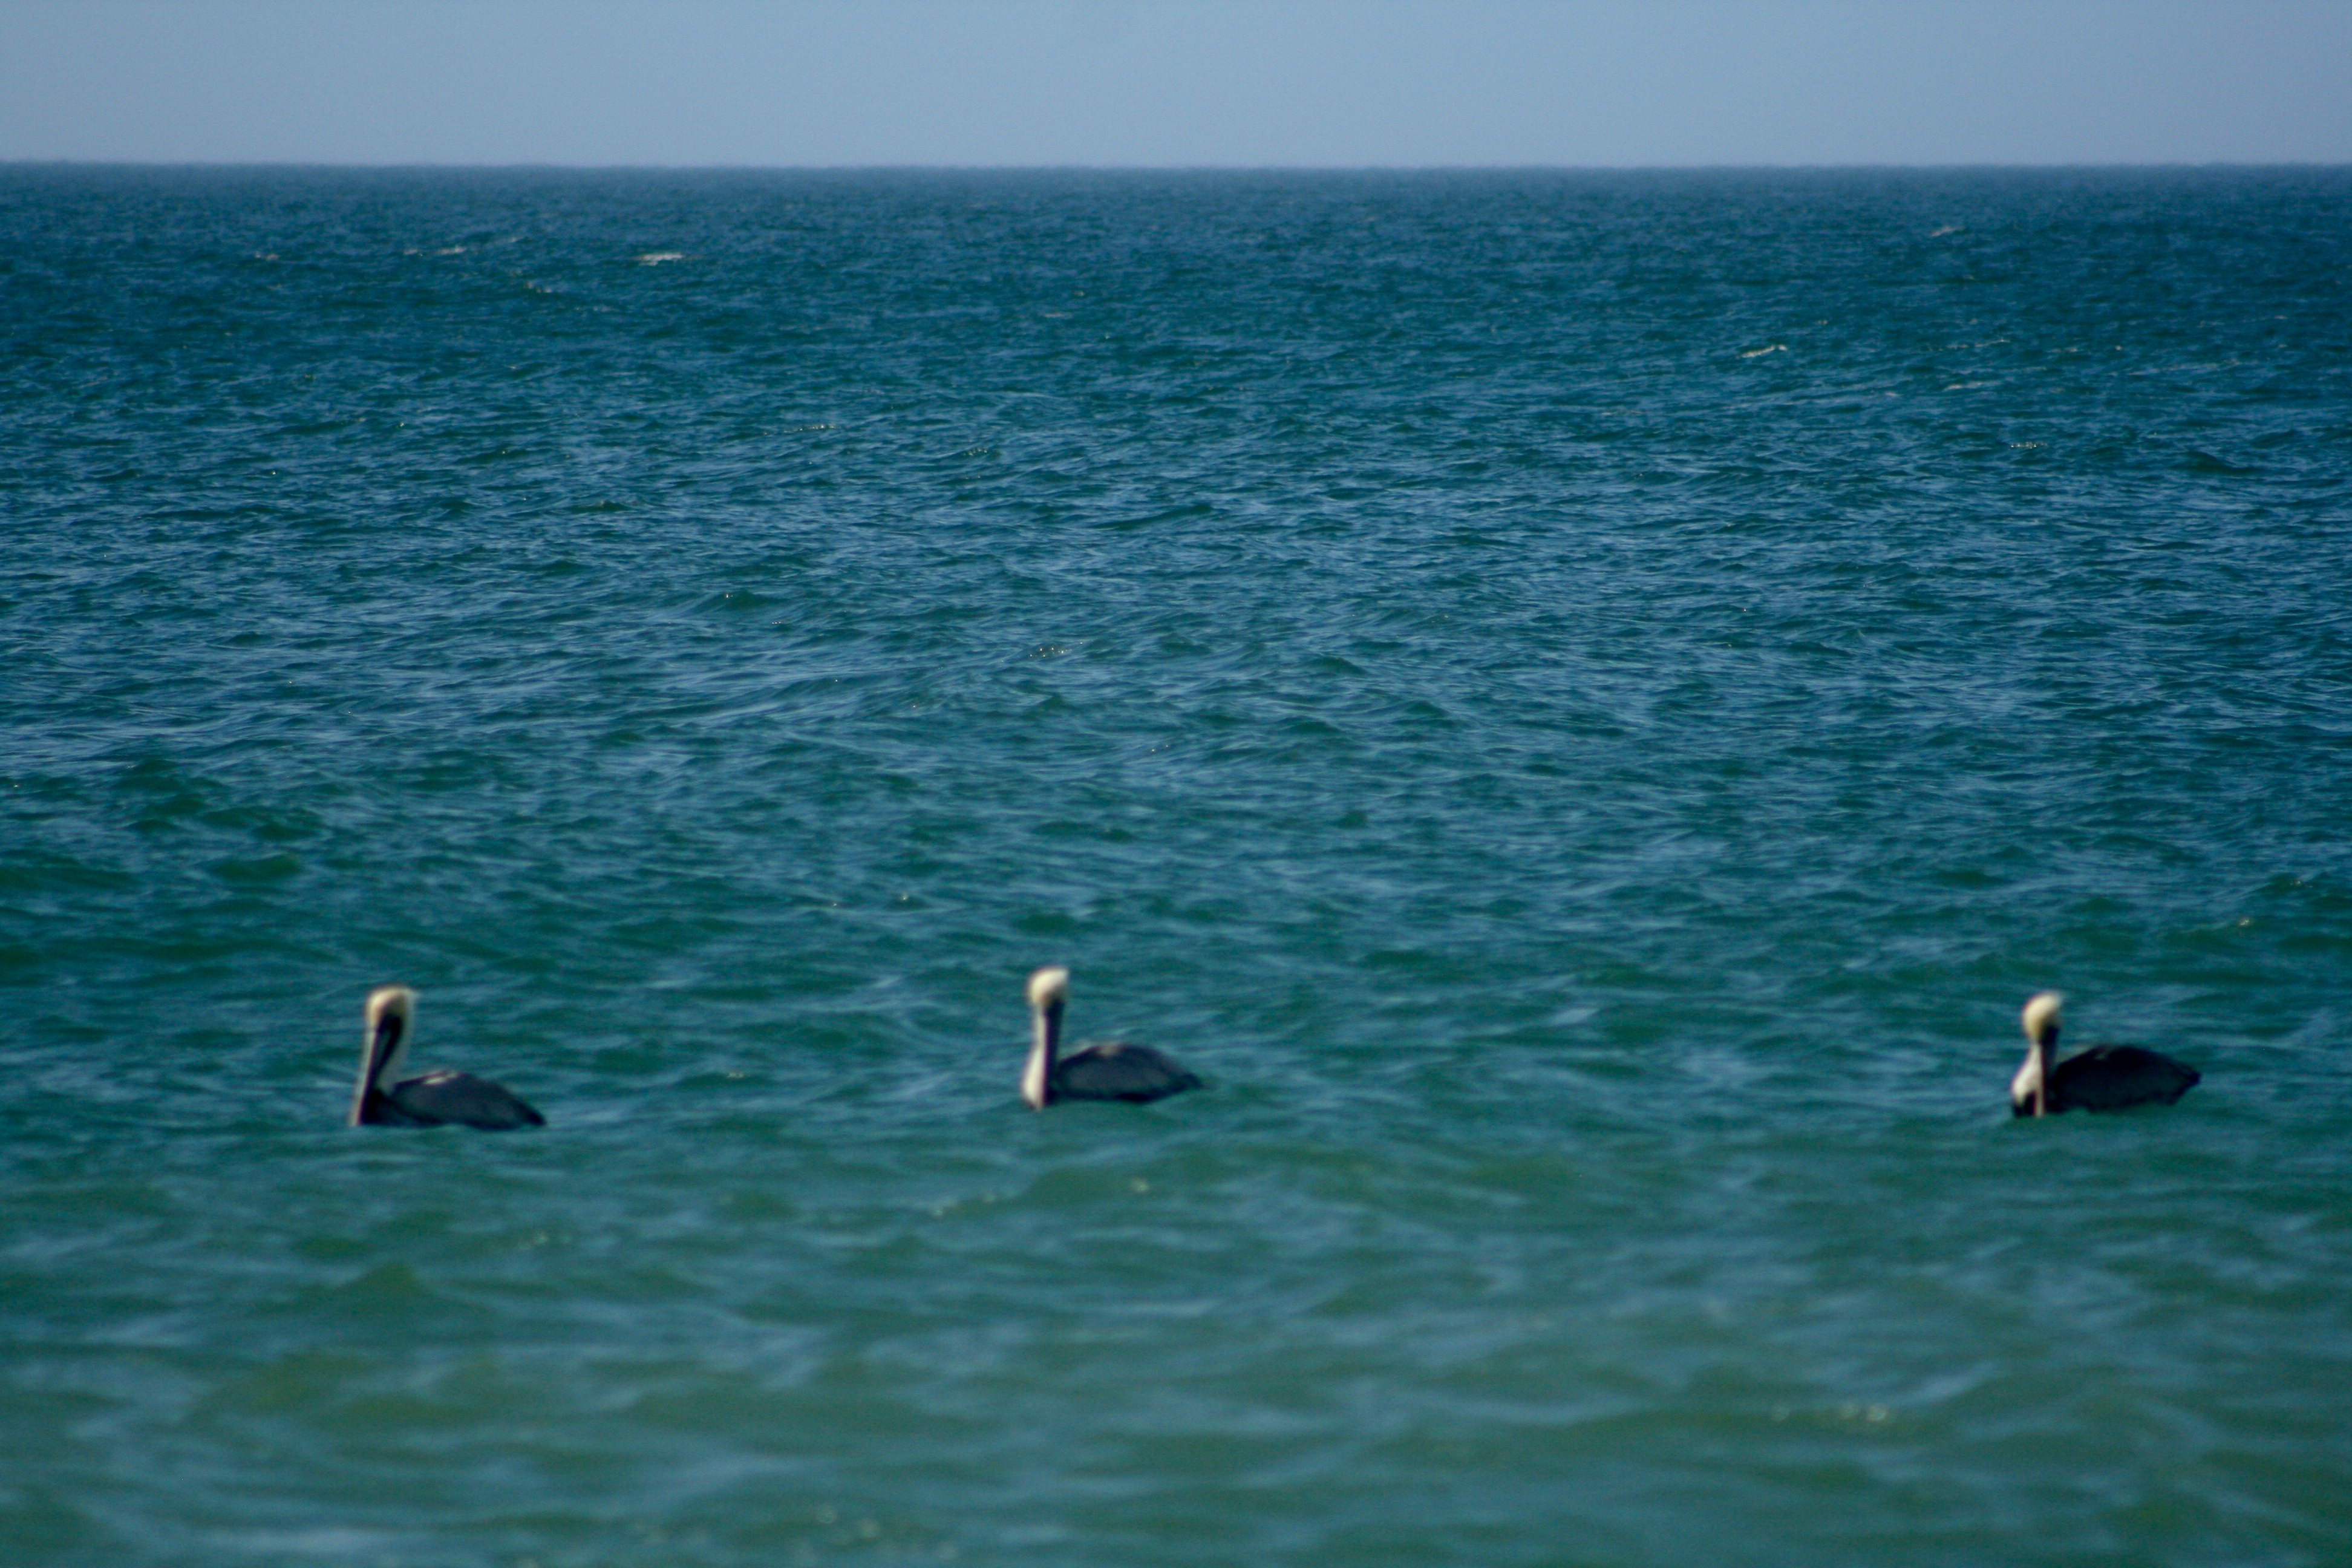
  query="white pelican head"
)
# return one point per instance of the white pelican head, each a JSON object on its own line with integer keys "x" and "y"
{"x": 1049, "y": 992}
{"x": 2030, "y": 1086}
{"x": 2041, "y": 1017}
{"x": 1050, "y": 987}
{"x": 390, "y": 1018}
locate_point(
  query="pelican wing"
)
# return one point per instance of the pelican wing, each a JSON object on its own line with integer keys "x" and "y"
{"x": 1117, "y": 1070}
{"x": 460, "y": 1097}
{"x": 2109, "y": 1077}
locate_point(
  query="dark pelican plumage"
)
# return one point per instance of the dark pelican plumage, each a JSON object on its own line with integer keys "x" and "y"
{"x": 384, "y": 1098}
{"x": 1110, "y": 1069}
{"x": 2104, "y": 1077}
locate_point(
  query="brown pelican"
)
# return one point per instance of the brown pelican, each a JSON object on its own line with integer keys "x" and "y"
{"x": 2104, "y": 1077}
{"x": 429, "y": 1101}
{"x": 1110, "y": 1069}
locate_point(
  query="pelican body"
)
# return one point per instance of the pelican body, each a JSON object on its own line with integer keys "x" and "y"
{"x": 1110, "y": 1069}
{"x": 2104, "y": 1077}
{"x": 384, "y": 1098}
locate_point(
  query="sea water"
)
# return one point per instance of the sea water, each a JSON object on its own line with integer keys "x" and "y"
{"x": 1581, "y": 704}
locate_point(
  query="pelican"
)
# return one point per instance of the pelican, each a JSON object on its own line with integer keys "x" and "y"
{"x": 383, "y": 1099}
{"x": 2104, "y": 1077}
{"x": 1109, "y": 1069}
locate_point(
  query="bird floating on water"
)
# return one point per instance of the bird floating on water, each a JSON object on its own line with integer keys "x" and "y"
{"x": 2104, "y": 1077}
{"x": 384, "y": 1098}
{"x": 1110, "y": 1069}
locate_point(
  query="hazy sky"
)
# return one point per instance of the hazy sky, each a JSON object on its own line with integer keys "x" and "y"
{"x": 1301, "y": 82}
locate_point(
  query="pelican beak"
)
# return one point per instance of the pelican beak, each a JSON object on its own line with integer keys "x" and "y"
{"x": 1037, "y": 1078}
{"x": 381, "y": 1044}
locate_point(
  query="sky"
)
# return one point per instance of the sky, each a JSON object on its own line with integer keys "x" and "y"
{"x": 1250, "y": 83}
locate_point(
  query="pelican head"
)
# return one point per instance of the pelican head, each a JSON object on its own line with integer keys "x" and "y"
{"x": 1049, "y": 992}
{"x": 2030, "y": 1086}
{"x": 1050, "y": 987}
{"x": 2040, "y": 1018}
{"x": 390, "y": 1015}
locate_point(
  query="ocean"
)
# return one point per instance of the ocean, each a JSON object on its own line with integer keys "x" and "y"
{"x": 1581, "y": 704}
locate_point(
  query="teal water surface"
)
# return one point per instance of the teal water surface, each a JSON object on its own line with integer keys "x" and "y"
{"x": 1582, "y": 705}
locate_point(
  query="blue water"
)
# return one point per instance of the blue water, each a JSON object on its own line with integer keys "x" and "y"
{"x": 1582, "y": 705}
